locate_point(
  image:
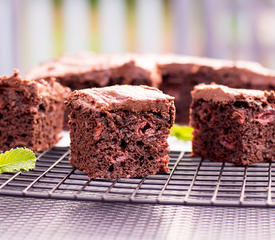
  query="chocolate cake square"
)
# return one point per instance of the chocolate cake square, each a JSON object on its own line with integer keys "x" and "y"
{"x": 31, "y": 112}
{"x": 181, "y": 73}
{"x": 233, "y": 125}
{"x": 120, "y": 131}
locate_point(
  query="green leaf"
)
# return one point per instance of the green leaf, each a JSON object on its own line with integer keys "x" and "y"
{"x": 16, "y": 160}
{"x": 182, "y": 132}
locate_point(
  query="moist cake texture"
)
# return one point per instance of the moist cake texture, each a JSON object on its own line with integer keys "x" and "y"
{"x": 233, "y": 125}
{"x": 31, "y": 112}
{"x": 120, "y": 131}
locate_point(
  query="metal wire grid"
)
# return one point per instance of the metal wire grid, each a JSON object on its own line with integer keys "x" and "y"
{"x": 192, "y": 181}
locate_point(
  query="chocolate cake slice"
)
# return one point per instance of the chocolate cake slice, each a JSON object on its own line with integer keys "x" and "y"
{"x": 233, "y": 125}
{"x": 31, "y": 112}
{"x": 181, "y": 73}
{"x": 87, "y": 70}
{"x": 120, "y": 131}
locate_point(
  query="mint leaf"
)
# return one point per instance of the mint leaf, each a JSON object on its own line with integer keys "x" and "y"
{"x": 16, "y": 160}
{"x": 181, "y": 132}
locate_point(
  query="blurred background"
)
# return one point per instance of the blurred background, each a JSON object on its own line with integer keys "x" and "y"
{"x": 32, "y": 31}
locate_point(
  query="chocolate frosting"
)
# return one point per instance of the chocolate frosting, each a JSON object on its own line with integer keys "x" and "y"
{"x": 248, "y": 72}
{"x": 220, "y": 93}
{"x": 121, "y": 97}
{"x": 99, "y": 68}
{"x": 214, "y": 63}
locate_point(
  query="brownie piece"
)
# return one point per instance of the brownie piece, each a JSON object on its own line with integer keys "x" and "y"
{"x": 120, "y": 131}
{"x": 180, "y": 74}
{"x": 233, "y": 125}
{"x": 31, "y": 112}
{"x": 87, "y": 70}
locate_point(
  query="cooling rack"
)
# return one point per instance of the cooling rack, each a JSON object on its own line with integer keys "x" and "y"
{"x": 192, "y": 181}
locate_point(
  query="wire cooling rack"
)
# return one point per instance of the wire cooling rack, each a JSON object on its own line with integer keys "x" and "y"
{"x": 192, "y": 181}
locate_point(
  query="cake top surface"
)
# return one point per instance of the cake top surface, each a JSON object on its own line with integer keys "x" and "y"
{"x": 214, "y": 63}
{"x": 89, "y": 62}
{"x": 121, "y": 97}
{"x": 148, "y": 65}
{"x": 220, "y": 93}
{"x": 249, "y": 71}
{"x": 34, "y": 88}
